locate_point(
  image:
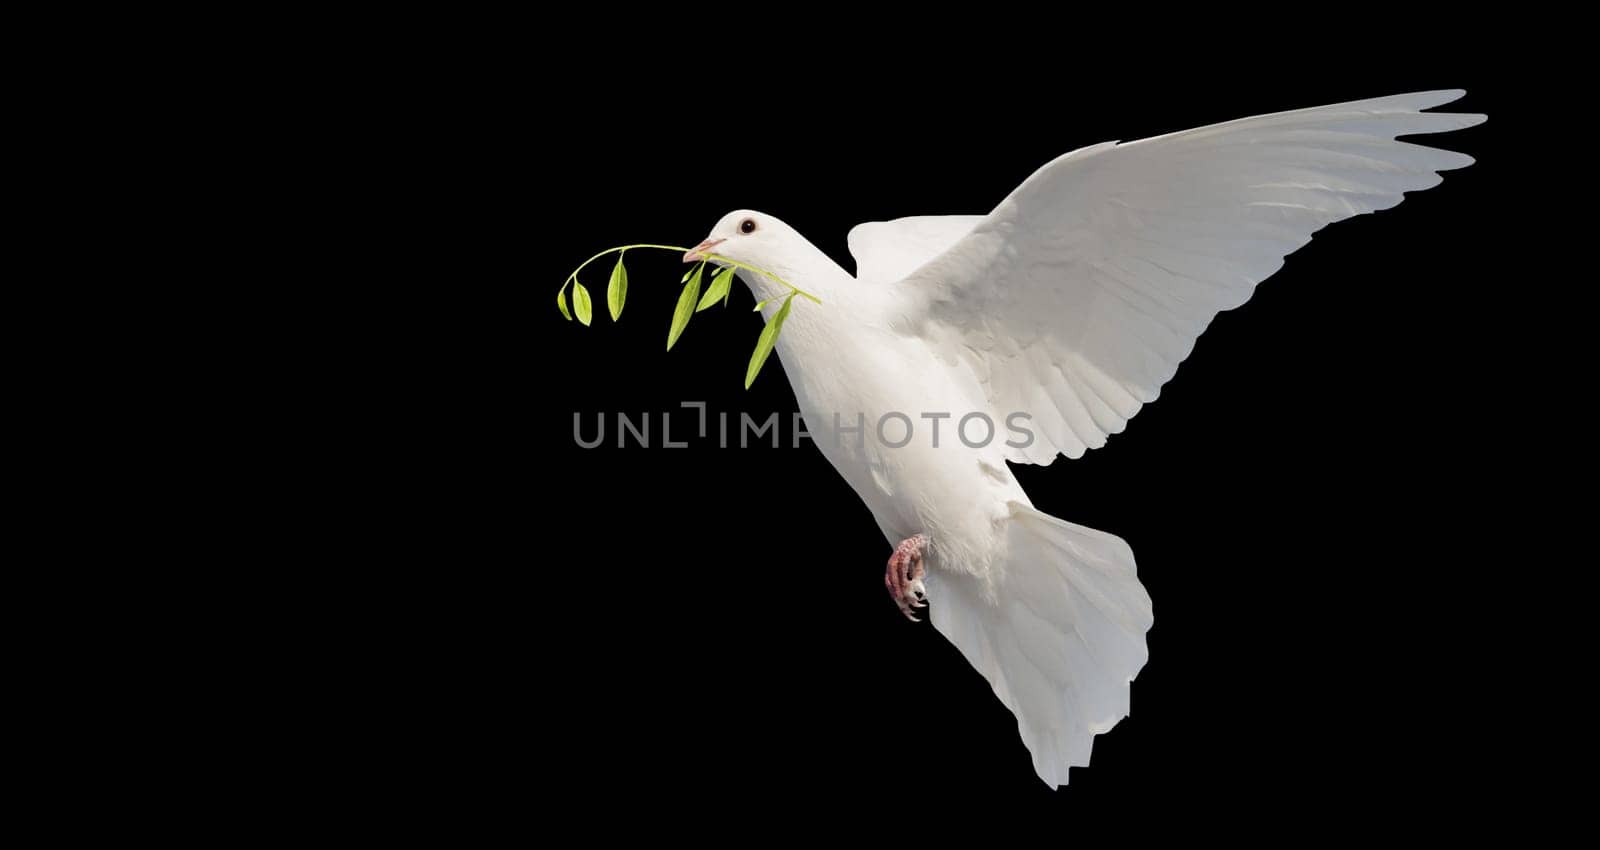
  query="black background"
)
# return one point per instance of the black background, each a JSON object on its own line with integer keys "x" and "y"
{"x": 693, "y": 633}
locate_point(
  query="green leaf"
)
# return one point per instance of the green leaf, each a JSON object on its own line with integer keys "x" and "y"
{"x": 760, "y": 304}
{"x": 617, "y": 291}
{"x": 561, "y": 301}
{"x": 686, "y": 274}
{"x": 718, "y": 291}
{"x": 581, "y": 304}
{"x": 769, "y": 336}
{"x": 686, "y": 302}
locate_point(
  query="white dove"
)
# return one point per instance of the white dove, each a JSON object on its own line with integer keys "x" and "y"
{"x": 1063, "y": 310}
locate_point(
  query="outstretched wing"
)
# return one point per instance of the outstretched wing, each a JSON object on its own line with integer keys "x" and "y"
{"x": 1075, "y": 300}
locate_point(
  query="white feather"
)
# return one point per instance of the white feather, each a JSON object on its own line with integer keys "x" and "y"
{"x": 890, "y": 250}
{"x": 1059, "y": 634}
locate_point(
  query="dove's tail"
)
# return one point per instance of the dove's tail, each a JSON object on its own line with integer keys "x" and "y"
{"x": 1058, "y": 632}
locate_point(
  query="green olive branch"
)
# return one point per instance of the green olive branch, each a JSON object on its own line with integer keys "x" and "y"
{"x": 735, "y": 263}
{"x": 689, "y": 301}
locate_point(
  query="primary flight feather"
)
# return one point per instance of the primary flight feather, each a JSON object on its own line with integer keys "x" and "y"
{"x": 1063, "y": 311}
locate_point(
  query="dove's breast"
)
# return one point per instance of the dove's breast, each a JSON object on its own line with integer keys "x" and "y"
{"x": 886, "y": 414}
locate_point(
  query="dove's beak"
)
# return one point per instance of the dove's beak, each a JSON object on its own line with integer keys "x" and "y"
{"x": 699, "y": 252}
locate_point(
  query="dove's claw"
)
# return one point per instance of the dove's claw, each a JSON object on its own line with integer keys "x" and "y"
{"x": 903, "y": 577}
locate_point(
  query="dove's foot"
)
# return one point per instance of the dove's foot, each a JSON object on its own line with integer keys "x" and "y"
{"x": 904, "y": 576}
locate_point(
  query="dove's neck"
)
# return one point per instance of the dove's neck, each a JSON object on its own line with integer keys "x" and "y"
{"x": 820, "y": 340}
{"x": 805, "y": 267}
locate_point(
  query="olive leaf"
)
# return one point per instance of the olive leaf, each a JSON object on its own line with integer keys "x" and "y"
{"x": 769, "y": 336}
{"x": 561, "y": 301}
{"x": 760, "y": 304}
{"x": 719, "y": 291}
{"x": 580, "y": 303}
{"x": 617, "y": 291}
{"x": 686, "y": 302}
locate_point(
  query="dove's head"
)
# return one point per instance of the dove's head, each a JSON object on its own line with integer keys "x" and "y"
{"x": 763, "y": 242}
{"x": 750, "y": 237}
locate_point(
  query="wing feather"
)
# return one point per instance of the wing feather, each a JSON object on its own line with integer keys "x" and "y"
{"x": 1075, "y": 299}
{"x": 890, "y": 250}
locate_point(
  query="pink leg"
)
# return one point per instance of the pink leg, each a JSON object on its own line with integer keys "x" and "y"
{"x": 904, "y": 575}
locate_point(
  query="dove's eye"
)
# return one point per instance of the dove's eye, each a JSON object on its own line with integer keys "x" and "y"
{"x": 747, "y": 226}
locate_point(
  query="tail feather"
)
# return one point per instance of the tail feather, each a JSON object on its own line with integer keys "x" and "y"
{"x": 1059, "y": 632}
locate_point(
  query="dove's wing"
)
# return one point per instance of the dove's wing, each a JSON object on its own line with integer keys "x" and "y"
{"x": 1079, "y": 295}
{"x": 890, "y": 250}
